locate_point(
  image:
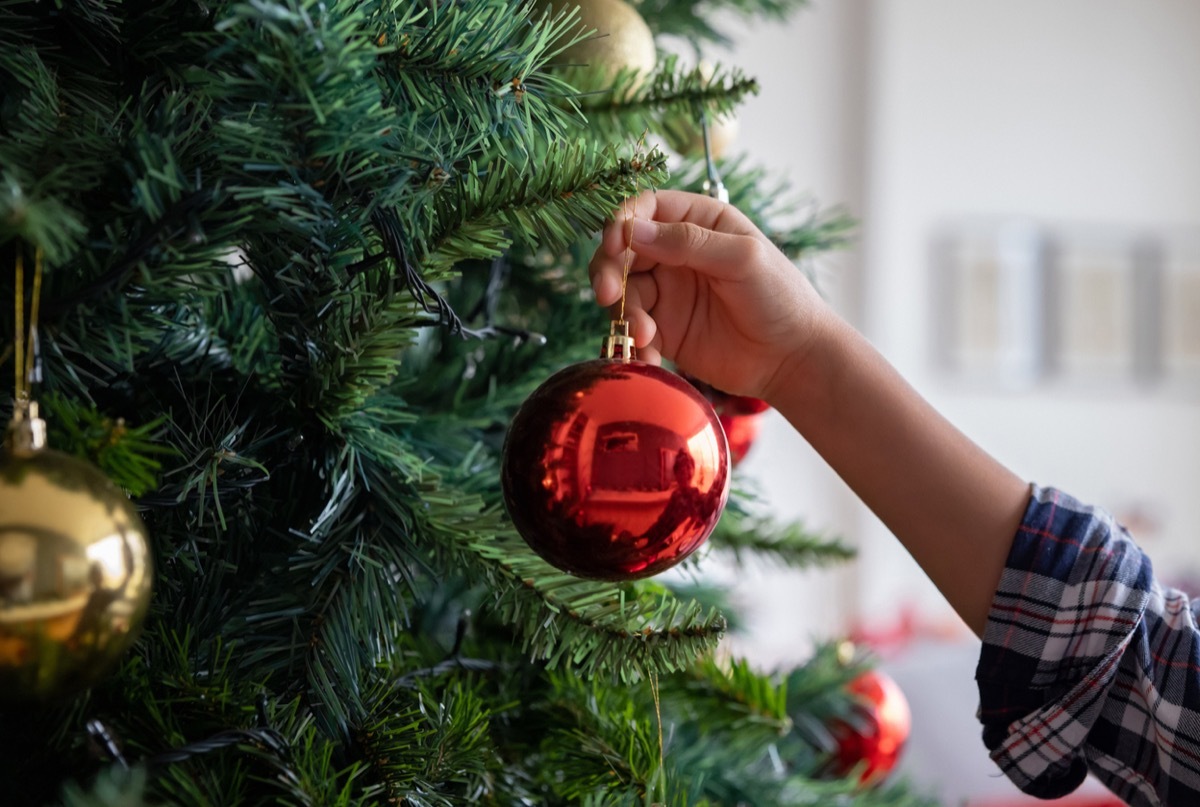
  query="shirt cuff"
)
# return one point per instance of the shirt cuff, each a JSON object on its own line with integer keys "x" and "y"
{"x": 1072, "y": 593}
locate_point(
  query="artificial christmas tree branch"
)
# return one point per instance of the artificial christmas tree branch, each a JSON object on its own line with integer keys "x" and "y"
{"x": 672, "y": 97}
{"x": 575, "y": 189}
{"x": 486, "y": 62}
{"x": 171, "y": 222}
{"x": 596, "y": 628}
{"x": 747, "y": 537}
{"x": 691, "y": 19}
{"x": 128, "y": 454}
{"x": 369, "y": 354}
{"x": 738, "y": 697}
{"x": 765, "y": 199}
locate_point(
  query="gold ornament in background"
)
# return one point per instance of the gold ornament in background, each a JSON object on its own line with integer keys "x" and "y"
{"x": 722, "y": 131}
{"x": 75, "y": 569}
{"x": 687, "y": 137}
{"x": 622, "y": 40}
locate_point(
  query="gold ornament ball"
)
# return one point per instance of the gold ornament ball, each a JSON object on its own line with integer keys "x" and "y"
{"x": 688, "y": 138}
{"x": 622, "y": 39}
{"x": 75, "y": 574}
{"x": 722, "y": 132}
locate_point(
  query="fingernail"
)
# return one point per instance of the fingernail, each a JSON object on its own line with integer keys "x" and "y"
{"x": 644, "y": 231}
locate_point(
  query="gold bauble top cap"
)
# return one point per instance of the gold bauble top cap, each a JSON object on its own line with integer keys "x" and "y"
{"x": 27, "y": 431}
{"x": 618, "y": 344}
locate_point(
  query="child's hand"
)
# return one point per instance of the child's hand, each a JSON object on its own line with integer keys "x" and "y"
{"x": 710, "y": 292}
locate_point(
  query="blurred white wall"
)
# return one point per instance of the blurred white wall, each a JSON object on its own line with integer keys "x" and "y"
{"x": 921, "y": 113}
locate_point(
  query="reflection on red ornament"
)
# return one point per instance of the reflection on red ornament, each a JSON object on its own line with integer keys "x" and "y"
{"x": 877, "y": 733}
{"x": 615, "y": 470}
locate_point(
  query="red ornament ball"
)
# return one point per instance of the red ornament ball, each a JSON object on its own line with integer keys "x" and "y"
{"x": 878, "y": 732}
{"x": 615, "y": 470}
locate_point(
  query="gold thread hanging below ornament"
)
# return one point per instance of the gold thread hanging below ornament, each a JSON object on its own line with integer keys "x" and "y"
{"x": 658, "y": 716}
{"x": 75, "y": 565}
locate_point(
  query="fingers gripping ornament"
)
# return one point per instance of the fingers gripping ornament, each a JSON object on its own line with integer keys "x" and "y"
{"x": 75, "y": 567}
{"x": 615, "y": 469}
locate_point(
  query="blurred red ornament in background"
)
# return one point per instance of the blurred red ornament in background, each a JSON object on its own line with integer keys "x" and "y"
{"x": 741, "y": 431}
{"x": 740, "y": 417}
{"x": 615, "y": 470}
{"x": 877, "y": 733}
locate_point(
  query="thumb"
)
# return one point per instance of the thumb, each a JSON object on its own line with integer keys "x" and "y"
{"x": 721, "y": 255}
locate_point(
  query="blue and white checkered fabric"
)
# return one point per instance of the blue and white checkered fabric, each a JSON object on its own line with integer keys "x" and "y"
{"x": 1088, "y": 663}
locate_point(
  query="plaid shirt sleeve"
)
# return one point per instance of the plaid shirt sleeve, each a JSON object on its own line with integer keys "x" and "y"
{"x": 1089, "y": 664}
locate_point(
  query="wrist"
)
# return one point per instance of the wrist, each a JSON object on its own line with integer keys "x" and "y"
{"x": 804, "y": 386}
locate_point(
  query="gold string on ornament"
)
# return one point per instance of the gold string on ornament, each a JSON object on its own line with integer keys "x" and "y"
{"x": 639, "y": 158}
{"x": 628, "y": 246}
{"x": 24, "y": 353}
{"x": 619, "y": 344}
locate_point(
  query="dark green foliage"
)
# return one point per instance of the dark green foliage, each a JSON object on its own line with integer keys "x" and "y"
{"x": 304, "y": 260}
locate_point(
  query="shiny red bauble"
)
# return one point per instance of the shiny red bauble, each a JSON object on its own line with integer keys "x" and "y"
{"x": 615, "y": 470}
{"x": 877, "y": 734}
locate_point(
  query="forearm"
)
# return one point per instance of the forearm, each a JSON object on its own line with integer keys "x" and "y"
{"x": 953, "y": 506}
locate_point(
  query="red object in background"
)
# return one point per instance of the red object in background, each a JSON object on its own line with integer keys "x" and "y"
{"x": 615, "y": 470}
{"x": 739, "y": 404}
{"x": 878, "y": 732}
{"x": 740, "y": 417}
{"x": 741, "y": 431}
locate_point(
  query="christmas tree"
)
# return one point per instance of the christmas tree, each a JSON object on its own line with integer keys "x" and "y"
{"x": 303, "y": 262}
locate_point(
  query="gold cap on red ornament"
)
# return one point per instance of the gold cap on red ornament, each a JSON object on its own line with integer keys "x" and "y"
{"x": 618, "y": 344}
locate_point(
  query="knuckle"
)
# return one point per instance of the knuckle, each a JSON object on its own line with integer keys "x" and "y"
{"x": 751, "y": 251}
{"x": 694, "y": 237}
